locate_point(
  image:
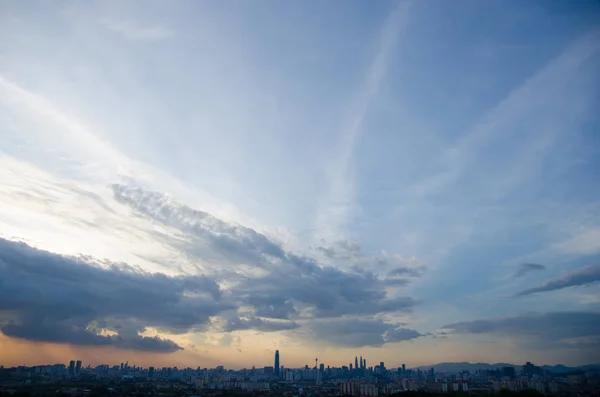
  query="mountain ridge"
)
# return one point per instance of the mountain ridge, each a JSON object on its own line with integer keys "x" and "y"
{"x": 467, "y": 366}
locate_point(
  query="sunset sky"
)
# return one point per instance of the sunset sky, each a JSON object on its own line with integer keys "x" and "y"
{"x": 199, "y": 183}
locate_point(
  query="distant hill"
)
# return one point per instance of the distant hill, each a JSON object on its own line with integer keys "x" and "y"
{"x": 563, "y": 369}
{"x": 472, "y": 367}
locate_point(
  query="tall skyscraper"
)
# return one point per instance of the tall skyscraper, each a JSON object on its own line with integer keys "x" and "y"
{"x": 365, "y": 363}
{"x": 277, "y": 363}
{"x": 356, "y": 362}
{"x": 403, "y": 369}
{"x": 361, "y": 363}
{"x": 78, "y": 367}
{"x": 72, "y": 368}
{"x": 151, "y": 372}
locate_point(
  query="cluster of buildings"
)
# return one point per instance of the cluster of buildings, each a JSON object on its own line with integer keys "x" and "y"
{"x": 355, "y": 379}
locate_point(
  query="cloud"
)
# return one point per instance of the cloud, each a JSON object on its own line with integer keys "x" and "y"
{"x": 583, "y": 243}
{"x": 86, "y": 298}
{"x": 55, "y": 298}
{"x": 342, "y": 249}
{"x": 132, "y": 31}
{"x": 542, "y": 328}
{"x": 401, "y": 334}
{"x": 72, "y": 333}
{"x": 526, "y": 268}
{"x": 251, "y": 322}
{"x": 320, "y": 292}
{"x": 581, "y": 277}
{"x": 226, "y": 242}
{"x": 405, "y": 271}
{"x": 401, "y": 270}
{"x": 289, "y": 286}
{"x": 358, "y": 332}
{"x": 338, "y": 201}
{"x": 396, "y": 271}
{"x": 229, "y": 340}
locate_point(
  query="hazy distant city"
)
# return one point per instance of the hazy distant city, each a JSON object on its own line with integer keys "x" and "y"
{"x": 359, "y": 378}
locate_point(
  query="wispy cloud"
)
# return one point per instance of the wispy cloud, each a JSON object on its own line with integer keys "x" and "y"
{"x": 338, "y": 202}
{"x": 526, "y": 268}
{"x": 537, "y": 116}
{"x": 581, "y": 277}
{"x": 514, "y": 110}
{"x": 134, "y": 31}
{"x": 584, "y": 243}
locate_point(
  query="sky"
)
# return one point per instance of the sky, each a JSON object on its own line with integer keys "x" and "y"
{"x": 202, "y": 183}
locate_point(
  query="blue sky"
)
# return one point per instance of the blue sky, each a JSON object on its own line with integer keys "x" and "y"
{"x": 444, "y": 155}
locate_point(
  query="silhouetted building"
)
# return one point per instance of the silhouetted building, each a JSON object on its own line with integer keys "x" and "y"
{"x": 529, "y": 369}
{"x": 78, "y": 367}
{"x": 269, "y": 370}
{"x": 355, "y": 362}
{"x": 151, "y": 372}
{"x": 72, "y": 368}
{"x": 508, "y": 372}
{"x": 277, "y": 363}
{"x": 403, "y": 368}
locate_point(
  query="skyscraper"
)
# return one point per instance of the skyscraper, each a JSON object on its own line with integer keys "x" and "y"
{"x": 356, "y": 362}
{"x": 403, "y": 369}
{"x": 72, "y": 368}
{"x": 277, "y": 363}
{"x": 78, "y": 367}
{"x": 361, "y": 363}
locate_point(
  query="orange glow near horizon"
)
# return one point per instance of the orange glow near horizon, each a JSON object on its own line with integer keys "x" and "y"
{"x": 259, "y": 350}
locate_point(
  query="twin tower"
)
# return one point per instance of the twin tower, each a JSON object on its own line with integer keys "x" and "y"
{"x": 363, "y": 363}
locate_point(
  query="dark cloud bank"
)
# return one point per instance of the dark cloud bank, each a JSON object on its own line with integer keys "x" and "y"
{"x": 545, "y": 330}
{"x": 54, "y": 298}
{"x": 49, "y": 297}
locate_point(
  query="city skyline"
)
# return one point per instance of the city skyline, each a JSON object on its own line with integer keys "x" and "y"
{"x": 320, "y": 380}
{"x": 74, "y": 367}
{"x": 406, "y": 182}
